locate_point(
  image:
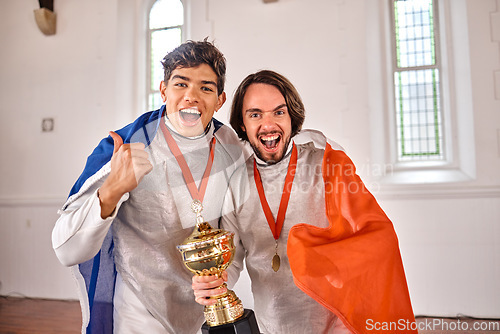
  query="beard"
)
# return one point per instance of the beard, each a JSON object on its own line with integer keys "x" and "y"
{"x": 275, "y": 157}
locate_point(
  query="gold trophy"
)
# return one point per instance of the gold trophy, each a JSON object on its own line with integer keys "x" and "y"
{"x": 209, "y": 251}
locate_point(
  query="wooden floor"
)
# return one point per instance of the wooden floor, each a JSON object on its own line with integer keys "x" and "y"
{"x": 40, "y": 316}
{"x": 43, "y": 316}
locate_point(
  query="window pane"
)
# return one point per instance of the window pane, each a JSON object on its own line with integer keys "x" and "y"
{"x": 417, "y": 100}
{"x": 166, "y": 13}
{"x": 414, "y": 30}
{"x": 418, "y": 114}
{"x": 155, "y": 101}
{"x": 166, "y": 20}
{"x": 162, "y": 42}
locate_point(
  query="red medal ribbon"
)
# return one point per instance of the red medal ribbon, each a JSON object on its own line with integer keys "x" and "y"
{"x": 277, "y": 225}
{"x": 196, "y": 193}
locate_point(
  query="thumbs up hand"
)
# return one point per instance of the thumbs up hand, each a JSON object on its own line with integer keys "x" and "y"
{"x": 129, "y": 164}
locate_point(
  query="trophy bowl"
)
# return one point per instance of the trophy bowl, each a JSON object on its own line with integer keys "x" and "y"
{"x": 209, "y": 251}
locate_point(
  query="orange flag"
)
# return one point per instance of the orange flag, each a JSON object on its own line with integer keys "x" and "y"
{"x": 353, "y": 267}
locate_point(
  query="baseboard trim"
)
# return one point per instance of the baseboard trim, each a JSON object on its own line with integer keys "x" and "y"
{"x": 32, "y": 201}
{"x": 411, "y": 192}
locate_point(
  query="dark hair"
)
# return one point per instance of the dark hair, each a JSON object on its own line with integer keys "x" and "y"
{"x": 192, "y": 54}
{"x": 292, "y": 100}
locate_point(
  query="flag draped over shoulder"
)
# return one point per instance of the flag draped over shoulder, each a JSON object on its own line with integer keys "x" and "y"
{"x": 354, "y": 266}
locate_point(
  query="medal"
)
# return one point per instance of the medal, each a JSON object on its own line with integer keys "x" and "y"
{"x": 277, "y": 225}
{"x": 276, "y": 262}
{"x": 276, "y": 259}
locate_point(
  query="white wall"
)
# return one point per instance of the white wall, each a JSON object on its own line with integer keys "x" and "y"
{"x": 71, "y": 78}
{"x": 87, "y": 77}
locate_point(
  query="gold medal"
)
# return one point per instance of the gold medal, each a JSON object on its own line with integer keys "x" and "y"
{"x": 276, "y": 259}
{"x": 276, "y": 262}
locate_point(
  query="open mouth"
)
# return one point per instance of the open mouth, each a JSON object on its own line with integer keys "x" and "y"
{"x": 270, "y": 141}
{"x": 190, "y": 115}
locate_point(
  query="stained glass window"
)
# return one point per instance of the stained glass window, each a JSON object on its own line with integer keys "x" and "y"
{"x": 417, "y": 81}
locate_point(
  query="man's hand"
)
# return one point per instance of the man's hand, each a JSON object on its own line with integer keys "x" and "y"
{"x": 129, "y": 164}
{"x": 207, "y": 286}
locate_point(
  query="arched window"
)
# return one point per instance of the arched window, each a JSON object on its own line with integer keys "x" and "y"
{"x": 166, "y": 25}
